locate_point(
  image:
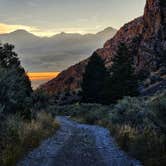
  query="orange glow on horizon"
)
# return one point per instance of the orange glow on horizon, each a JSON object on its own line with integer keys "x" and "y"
{"x": 34, "y": 76}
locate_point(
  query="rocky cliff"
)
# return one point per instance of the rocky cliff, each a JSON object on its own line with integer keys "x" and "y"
{"x": 144, "y": 36}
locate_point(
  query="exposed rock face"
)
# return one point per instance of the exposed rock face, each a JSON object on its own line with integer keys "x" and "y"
{"x": 144, "y": 36}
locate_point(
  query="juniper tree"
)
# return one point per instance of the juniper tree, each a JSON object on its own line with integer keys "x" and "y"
{"x": 123, "y": 80}
{"x": 93, "y": 80}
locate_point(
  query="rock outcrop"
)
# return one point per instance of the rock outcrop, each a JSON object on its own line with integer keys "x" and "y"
{"x": 144, "y": 36}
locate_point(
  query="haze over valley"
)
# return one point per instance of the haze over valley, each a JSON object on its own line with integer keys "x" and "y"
{"x": 64, "y": 33}
{"x": 56, "y": 53}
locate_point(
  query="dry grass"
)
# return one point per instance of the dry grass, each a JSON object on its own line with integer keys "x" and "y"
{"x": 21, "y": 137}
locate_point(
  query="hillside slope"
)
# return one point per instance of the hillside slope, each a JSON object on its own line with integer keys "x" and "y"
{"x": 146, "y": 38}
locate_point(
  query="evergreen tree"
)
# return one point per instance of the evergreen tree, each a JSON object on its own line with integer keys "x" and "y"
{"x": 93, "y": 80}
{"x": 122, "y": 81}
{"x": 15, "y": 85}
{"x": 8, "y": 58}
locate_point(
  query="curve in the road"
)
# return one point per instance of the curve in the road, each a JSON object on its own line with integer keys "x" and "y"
{"x": 78, "y": 145}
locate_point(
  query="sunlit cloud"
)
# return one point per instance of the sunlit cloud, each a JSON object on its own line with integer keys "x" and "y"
{"x": 7, "y": 28}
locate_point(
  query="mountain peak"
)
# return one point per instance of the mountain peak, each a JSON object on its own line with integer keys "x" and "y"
{"x": 154, "y": 14}
{"x": 21, "y": 31}
{"x": 109, "y": 29}
{"x": 63, "y": 33}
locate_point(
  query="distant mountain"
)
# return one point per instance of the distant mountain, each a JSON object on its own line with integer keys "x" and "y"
{"x": 19, "y": 36}
{"x": 57, "y": 52}
{"x": 106, "y": 32}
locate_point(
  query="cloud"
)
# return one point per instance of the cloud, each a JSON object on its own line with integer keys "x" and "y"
{"x": 32, "y": 4}
{"x": 7, "y": 28}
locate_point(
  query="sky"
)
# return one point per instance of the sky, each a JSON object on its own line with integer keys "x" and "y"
{"x": 38, "y": 78}
{"x": 49, "y": 17}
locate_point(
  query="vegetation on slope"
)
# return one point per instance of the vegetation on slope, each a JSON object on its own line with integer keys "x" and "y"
{"x": 22, "y": 126}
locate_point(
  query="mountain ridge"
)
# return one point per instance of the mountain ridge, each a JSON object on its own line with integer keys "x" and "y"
{"x": 23, "y": 31}
{"x": 54, "y": 53}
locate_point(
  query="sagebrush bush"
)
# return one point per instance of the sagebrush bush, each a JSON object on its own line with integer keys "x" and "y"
{"x": 131, "y": 111}
{"x": 158, "y": 111}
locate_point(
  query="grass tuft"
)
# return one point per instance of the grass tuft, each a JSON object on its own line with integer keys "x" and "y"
{"x": 20, "y": 136}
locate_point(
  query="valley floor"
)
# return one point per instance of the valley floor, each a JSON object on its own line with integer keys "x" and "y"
{"x": 78, "y": 145}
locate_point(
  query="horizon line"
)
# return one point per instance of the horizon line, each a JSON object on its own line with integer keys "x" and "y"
{"x": 51, "y": 34}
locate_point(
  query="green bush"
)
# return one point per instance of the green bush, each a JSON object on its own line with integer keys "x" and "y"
{"x": 131, "y": 111}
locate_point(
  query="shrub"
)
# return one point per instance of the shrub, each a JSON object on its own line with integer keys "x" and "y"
{"x": 158, "y": 112}
{"x": 131, "y": 111}
{"x": 19, "y": 137}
